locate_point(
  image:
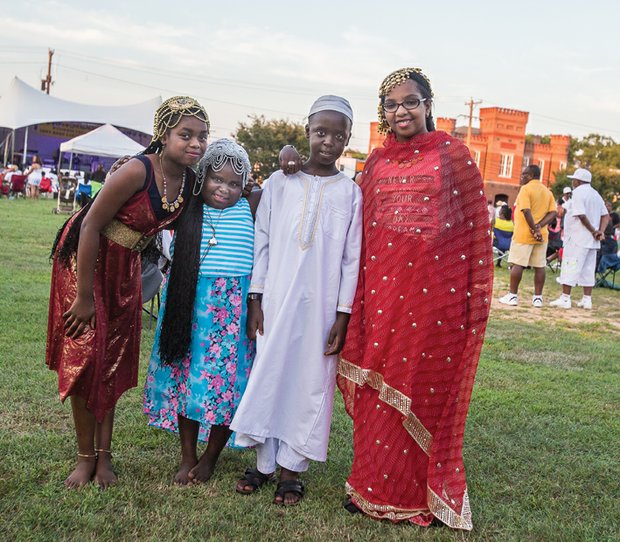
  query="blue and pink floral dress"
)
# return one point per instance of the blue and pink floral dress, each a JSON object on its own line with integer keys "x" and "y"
{"x": 207, "y": 385}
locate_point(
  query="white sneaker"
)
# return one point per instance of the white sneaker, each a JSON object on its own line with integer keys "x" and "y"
{"x": 509, "y": 299}
{"x": 537, "y": 301}
{"x": 585, "y": 303}
{"x": 562, "y": 303}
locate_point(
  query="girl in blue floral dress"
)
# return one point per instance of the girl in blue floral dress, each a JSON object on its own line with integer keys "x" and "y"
{"x": 202, "y": 358}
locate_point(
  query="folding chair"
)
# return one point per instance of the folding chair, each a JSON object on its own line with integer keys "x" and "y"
{"x": 501, "y": 245}
{"x": 18, "y": 185}
{"x": 606, "y": 271}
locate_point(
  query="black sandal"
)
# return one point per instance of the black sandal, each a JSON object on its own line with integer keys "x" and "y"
{"x": 350, "y": 506}
{"x": 254, "y": 478}
{"x": 289, "y": 486}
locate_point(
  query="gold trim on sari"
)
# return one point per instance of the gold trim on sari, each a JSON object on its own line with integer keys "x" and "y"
{"x": 392, "y": 397}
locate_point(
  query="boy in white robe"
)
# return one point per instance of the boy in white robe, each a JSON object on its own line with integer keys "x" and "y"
{"x": 306, "y": 261}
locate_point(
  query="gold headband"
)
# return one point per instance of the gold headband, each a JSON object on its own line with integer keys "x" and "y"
{"x": 170, "y": 113}
{"x": 393, "y": 80}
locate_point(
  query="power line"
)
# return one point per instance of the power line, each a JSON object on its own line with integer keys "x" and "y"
{"x": 235, "y": 84}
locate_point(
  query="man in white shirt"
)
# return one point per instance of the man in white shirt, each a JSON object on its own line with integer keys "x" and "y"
{"x": 566, "y": 195}
{"x": 584, "y": 223}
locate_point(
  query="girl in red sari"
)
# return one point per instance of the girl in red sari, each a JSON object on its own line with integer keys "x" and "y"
{"x": 94, "y": 324}
{"x": 419, "y": 317}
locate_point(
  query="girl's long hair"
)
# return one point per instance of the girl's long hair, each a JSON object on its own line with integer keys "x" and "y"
{"x": 176, "y": 328}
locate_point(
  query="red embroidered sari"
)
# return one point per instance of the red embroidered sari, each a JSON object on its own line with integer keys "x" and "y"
{"x": 102, "y": 364}
{"x": 413, "y": 343}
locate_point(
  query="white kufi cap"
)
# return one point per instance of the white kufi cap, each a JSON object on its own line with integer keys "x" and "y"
{"x": 332, "y": 103}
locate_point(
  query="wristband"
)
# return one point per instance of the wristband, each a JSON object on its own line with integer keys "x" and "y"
{"x": 254, "y": 297}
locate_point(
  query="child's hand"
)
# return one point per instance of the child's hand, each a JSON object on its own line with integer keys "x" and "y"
{"x": 289, "y": 159}
{"x": 80, "y": 315}
{"x": 337, "y": 333}
{"x": 255, "y": 319}
{"x": 247, "y": 189}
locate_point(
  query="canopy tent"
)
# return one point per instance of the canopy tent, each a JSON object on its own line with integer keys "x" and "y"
{"x": 22, "y": 106}
{"x": 103, "y": 141}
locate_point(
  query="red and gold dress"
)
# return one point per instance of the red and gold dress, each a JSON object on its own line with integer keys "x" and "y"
{"x": 413, "y": 343}
{"x": 102, "y": 364}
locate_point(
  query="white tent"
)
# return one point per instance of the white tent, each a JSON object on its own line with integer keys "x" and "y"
{"x": 103, "y": 141}
{"x": 22, "y": 105}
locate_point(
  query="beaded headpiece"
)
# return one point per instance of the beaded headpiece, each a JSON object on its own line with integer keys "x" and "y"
{"x": 393, "y": 80}
{"x": 219, "y": 153}
{"x": 170, "y": 113}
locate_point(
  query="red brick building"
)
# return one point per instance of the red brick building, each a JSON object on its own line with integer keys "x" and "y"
{"x": 501, "y": 150}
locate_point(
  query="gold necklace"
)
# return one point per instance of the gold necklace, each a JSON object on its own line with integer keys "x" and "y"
{"x": 171, "y": 206}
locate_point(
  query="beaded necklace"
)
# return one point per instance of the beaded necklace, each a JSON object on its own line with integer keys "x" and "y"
{"x": 171, "y": 206}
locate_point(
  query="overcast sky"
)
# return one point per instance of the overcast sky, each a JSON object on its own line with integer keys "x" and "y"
{"x": 559, "y": 60}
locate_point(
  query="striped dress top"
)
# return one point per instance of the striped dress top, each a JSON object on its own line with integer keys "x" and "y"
{"x": 227, "y": 244}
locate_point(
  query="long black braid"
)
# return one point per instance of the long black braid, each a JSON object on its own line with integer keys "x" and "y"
{"x": 176, "y": 332}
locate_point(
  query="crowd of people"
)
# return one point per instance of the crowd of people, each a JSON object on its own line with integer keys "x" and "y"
{"x": 380, "y": 286}
{"x": 578, "y": 230}
{"x": 31, "y": 182}
{"x": 35, "y": 181}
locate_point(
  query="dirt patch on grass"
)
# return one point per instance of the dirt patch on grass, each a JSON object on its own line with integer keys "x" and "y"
{"x": 605, "y": 316}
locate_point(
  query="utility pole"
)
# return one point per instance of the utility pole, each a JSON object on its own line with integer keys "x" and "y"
{"x": 47, "y": 82}
{"x": 471, "y": 105}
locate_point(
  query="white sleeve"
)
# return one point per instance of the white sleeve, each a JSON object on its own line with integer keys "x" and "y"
{"x": 261, "y": 241}
{"x": 350, "y": 266}
{"x": 578, "y": 203}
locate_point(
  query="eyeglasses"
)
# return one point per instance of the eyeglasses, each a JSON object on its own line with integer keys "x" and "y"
{"x": 409, "y": 104}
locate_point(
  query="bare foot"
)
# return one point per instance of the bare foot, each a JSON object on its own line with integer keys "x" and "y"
{"x": 182, "y": 476}
{"x": 82, "y": 474}
{"x": 104, "y": 473}
{"x": 202, "y": 471}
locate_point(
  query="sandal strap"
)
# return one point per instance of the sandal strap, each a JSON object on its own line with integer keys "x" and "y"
{"x": 256, "y": 478}
{"x": 290, "y": 486}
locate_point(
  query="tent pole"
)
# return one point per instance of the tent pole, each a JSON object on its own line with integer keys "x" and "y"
{"x": 71, "y": 161}
{"x": 13, "y": 145}
{"x": 25, "y": 156}
{"x": 6, "y": 149}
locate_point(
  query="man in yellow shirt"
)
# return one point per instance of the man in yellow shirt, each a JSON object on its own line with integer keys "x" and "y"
{"x": 534, "y": 209}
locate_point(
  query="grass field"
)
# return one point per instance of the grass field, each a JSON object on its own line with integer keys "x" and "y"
{"x": 541, "y": 448}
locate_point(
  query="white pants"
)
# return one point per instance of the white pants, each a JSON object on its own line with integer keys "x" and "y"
{"x": 578, "y": 266}
{"x": 274, "y": 452}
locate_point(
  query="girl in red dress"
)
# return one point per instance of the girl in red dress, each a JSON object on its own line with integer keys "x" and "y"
{"x": 419, "y": 317}
{"x": 95, "y": 307}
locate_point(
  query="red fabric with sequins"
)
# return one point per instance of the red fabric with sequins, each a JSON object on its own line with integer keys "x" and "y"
{"x": 420, "y": 313}
{"x": 102, "y": 364}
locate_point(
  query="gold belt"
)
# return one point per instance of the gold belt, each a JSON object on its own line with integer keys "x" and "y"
{"x": 123, "y": 235}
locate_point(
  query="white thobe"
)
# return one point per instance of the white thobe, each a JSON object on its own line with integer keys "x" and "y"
{"x": 306, "y": 261}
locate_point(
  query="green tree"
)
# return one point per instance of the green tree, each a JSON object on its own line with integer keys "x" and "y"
{"x": 601, "y": 155}
{"x": 264, "y": 138}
